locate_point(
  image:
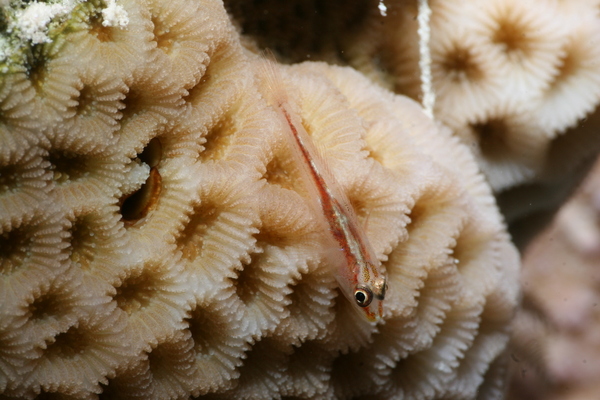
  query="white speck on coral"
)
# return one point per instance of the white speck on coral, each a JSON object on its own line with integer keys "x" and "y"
{"x": 114, "y": 15}
{"x": 32, "y": 23}
{"x": 382, "y": 8}
{"x": 444, "y": 367}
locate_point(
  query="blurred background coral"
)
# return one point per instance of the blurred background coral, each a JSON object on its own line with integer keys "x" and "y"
{"x": 556, "y": 341}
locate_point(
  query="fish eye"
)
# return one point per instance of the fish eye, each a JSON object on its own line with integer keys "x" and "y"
{"x": 363, "y": 296}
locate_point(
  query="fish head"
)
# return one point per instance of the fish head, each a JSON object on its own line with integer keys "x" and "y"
{"x": 367, "y": 292}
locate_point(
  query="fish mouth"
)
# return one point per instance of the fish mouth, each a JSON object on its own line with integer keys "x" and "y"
{"x": 371, "y": 315}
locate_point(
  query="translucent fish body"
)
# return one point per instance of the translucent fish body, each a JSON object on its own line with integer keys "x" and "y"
{"x": 359, "y": 273}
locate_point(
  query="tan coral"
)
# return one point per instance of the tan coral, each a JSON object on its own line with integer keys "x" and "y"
{"x": 19, "y": 126}
{"x": 508, "y": 145}
{"x": 501, "y": 63}
{"x": 523, "y": 41}
{"x": 25, "y": 181}
{"x": 33, "y": 255}
{"x": 96, "y": 111}
{"x": 574, "y": 91}
{"x": 182, "y": 246}
{"x": 483, "y": 198}
{"x": 186, "y": 35}
{"x": 93, "y": 42}
{"x": 494, "y": 63}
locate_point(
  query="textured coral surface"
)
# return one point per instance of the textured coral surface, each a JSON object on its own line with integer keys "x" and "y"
{"x": 156, "y": 240}
{"x": 515, "y": 80}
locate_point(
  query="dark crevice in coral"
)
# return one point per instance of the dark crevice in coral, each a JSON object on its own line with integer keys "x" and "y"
{"x": 492, "y": 138}
{"x": 218, "y": 139}
{"x": 137, "y": 205}
{"x": 14, "y": 246}
{"x": 164, "y": 38}
{"x": 567, "y": 67}
{"x": 103, "y": 33}
{"x": 67, "y": 166}
{"x": 136, "y": 292}
{"x": 348, "y": 365}
{"x": 274, "y": 237}
{"x": 191, "y": 239}
{"x": 464, "y": 250}
{"x": 197, "y": 93}
{"x": 248, "y": 282}
{"x": 69, "y": 344}
{"x": 130, "y": 382}
{"x": 85, "y": 102}
{"x": 10, "y": 176}
{"x": 493, "y": 382}
{"x": 152, "y": 153}
{"x": 44, "y": 395}
{"x": 375, "y": 155}
{"x": 3, "y": 20}
{"x": 513, "y": 37}
{"x": 276, "y": 173}
{"x": 300, "y": 289}
{"x": 201, "y": 327}
{"x": 36, "y": 66}
{"x": 417, "y": 214}
{"x": 109, "y": 391}
{"x": 45, "y": 306}
{"x": 459, "y": 65}
{"x": 133, "y": 103}
{"x": 360, "y": 208}
{"x": 83, "y": 242}
{"x": 282, "y": 171}
{"x": 209, "y": 396}
{"x": 172, "y": 355}
{"x": 158, "y": 359}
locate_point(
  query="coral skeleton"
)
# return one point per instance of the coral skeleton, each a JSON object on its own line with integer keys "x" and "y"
{"x": 157, "y": 242}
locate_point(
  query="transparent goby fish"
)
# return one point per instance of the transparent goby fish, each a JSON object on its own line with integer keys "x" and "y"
{"x": 359, "y": 273}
